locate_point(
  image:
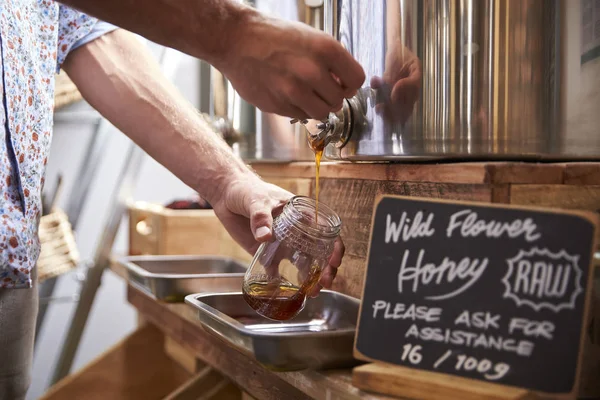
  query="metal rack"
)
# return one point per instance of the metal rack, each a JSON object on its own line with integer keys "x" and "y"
{"x": 91, "y": 279}
{"x": 77, "y": 198}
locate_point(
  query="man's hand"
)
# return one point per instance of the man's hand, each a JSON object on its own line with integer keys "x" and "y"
{"x": 289, "y": 68}
{"x": 246, "y": 208}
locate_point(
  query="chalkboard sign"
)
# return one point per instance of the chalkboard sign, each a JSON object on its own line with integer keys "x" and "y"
{"x": 491, "y": 293}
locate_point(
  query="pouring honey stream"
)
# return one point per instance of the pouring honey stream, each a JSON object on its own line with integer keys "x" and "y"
{"x": 273, "y": 296}
{"x": 279, "y": 299}
{"x": 317, "y": 147}
{"x": 317, "y": 143}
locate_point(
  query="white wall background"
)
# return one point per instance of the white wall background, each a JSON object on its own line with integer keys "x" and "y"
{"x": 111, "y": 317}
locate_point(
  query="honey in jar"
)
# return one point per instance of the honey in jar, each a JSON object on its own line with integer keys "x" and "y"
{"x": 285, "y": 270}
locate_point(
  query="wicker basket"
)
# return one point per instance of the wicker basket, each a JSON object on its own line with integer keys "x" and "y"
{"x": 59, "y": 252}
{"x": 65, "y": 92}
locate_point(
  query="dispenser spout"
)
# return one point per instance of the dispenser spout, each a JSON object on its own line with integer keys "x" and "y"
{"x": 338, "y": 127}
{"x": 326, "y": 134}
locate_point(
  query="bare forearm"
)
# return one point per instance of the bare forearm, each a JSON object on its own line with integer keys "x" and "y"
{"x": 201, "y": 28}
{"x": 281, "y": 67}
{"x": 118, "y": 77}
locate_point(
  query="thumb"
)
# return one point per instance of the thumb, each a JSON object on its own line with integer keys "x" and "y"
{"x": 261, "y": 220}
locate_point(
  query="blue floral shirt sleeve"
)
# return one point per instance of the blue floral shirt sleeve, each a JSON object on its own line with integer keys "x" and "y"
{"x": 73, "y": 25}
{"x": 100, "y": 28}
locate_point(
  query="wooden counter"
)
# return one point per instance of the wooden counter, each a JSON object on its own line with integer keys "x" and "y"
{"x": 351, "y": 189}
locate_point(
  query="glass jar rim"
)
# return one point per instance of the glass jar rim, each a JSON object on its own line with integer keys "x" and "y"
{"x": 328, "y": 223}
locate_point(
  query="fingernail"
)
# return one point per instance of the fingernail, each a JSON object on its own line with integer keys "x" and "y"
{"x": 262, "y": 232}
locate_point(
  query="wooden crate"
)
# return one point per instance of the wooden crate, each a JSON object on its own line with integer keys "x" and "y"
{"x": 156, "y": 230}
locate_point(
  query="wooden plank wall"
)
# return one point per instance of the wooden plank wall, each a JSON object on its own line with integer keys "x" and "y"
{"x": 351, "y": 189}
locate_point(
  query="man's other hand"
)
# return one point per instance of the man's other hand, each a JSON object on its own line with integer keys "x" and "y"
{"x": 246, "y": 208}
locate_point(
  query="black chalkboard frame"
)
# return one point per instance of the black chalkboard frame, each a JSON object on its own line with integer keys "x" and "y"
{"x": 441, "y": 379}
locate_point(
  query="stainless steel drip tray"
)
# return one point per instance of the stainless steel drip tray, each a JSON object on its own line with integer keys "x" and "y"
{"x": 171, "y": 278}
{"x": 321, "y": 336}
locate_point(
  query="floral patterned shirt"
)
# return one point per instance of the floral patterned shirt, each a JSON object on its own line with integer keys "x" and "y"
{"x": 35, "y": 38}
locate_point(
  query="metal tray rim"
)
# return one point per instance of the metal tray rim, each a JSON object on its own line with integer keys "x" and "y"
{"x": 218, "y": 316}
{"x": 129, "y": 264}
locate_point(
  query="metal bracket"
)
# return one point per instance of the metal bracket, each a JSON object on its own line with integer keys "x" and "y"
{"x": 74, "y": 298}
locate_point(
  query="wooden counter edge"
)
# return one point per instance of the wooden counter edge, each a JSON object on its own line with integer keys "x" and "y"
{"x": 465, "y": 173}
{"x": 496, "y": 173}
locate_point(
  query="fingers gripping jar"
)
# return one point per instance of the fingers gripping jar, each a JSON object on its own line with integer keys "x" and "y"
{"x": 286, "y": 269}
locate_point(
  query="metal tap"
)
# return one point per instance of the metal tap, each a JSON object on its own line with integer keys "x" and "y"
{"x": 337, "y": 128}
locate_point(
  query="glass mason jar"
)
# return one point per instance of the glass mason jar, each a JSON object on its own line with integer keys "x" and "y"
{"x": 285, "y": 270}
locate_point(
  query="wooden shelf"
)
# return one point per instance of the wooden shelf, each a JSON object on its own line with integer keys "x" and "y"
{"x": 135, "y": 368}
{"x": 180, "y": 322}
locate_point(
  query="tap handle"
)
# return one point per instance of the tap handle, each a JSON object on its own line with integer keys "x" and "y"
{"x": 324, "y": 126}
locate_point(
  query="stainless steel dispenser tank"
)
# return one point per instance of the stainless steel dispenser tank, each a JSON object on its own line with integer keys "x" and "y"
{"x": 264, "y": 136}
{"x": 453, "y": 79}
